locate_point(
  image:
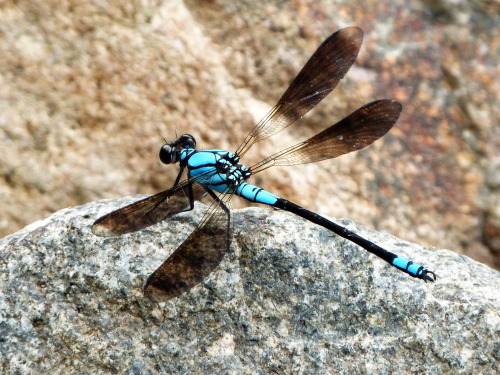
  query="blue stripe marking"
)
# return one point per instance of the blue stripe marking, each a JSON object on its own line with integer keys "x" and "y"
{"x": 256, "y": 194}
{"x": 408, "y": 265}
{"x": 202, "y": 159}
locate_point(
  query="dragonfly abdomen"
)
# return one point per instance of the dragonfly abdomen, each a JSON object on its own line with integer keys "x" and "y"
{"x": 255, "y": 194}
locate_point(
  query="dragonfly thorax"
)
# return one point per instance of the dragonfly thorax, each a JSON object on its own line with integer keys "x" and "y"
{"x": 217, "y": 169}
{"x": 235, "y": 173}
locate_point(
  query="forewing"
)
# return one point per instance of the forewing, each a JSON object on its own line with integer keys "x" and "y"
{"x": 148, "y": 211}
{"x": 319, "y": 76}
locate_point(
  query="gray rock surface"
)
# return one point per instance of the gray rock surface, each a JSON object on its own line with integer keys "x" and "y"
{"x": 290, "y": 297}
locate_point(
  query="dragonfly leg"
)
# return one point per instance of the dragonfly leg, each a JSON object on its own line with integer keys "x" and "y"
{"x": 224, "y": 208}
{"x": 179, "y": 175}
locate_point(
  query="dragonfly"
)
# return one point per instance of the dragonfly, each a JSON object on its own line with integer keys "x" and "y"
{"x": 218, "y": 174}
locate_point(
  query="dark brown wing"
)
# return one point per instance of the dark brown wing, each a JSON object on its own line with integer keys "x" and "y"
{"x": 360, "y": 129}
{"x": 149, "y": 211}
{"x": 195, "y": 258}
{"x": 319, "y": 76}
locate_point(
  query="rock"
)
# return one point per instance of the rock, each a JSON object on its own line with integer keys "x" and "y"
{"x": 289, "y": 297}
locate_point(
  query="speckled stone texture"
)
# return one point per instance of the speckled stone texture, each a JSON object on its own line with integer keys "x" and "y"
{"x": 289, "y": 298}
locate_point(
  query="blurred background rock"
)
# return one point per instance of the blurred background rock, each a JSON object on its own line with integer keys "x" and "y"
{"x": 88, "y": 90}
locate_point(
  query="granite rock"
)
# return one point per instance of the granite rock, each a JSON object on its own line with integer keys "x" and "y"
{"x": 289, "y": 297}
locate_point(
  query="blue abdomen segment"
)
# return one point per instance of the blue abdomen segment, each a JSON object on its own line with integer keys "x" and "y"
{"x": 255, "y": 194}
{"x": 408, "y": 266}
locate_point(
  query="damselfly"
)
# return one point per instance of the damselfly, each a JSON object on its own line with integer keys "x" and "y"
{"x": 220, "y": 175}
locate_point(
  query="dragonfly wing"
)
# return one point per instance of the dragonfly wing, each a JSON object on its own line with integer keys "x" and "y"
{"x": 195, "y": 258}
{"x": 149, "y": 211}
{"x": 319, "y": 76}
{"x": 358, "y": 130}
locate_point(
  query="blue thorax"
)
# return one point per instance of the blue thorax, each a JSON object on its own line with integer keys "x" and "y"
{"x": 221, "y": 171}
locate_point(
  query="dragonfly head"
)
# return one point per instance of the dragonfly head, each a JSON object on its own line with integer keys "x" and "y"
{"x": 170, "y": 152}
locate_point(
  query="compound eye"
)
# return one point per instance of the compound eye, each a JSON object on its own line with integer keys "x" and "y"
{"x": 166, "y": 154}
{"x": 187, "y": 141}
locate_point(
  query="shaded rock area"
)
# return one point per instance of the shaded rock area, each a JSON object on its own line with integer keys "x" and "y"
{"x": 289, "y": 297}
{"x": 88, "y": 90}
